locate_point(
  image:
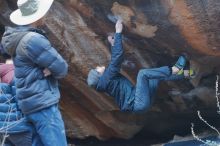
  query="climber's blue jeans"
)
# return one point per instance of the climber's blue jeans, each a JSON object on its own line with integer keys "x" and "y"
{"x": 147, "y": 84}
{"x": 49, "y": 126}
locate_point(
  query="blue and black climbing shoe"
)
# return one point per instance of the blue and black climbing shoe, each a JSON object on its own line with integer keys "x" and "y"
{"x": 181, "y": 62}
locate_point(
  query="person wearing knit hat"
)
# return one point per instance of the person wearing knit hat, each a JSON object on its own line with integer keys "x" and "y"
{"x": 12, "y": 121}
{"x": 129, "y": 97}
{"x": 39, "y": 66}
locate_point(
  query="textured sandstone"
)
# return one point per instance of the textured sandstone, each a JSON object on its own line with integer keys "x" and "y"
{"x": 156, "y": 32}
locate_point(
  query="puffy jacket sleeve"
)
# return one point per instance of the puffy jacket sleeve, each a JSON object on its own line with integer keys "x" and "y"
{"x": 117, "y": 56}
{"x": 5, "y": 88}
{"x": 40, "y": 51}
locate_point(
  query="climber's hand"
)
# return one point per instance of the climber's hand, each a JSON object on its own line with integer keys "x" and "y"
{"x": 119, "y": 26}
{"x": 46, "y": 72}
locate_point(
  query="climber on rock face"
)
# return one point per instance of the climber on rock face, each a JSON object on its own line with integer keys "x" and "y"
{"x": 129, "y": 97}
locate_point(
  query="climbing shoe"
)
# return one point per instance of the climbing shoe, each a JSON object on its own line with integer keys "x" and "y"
{"x": 190, "y": 74}
{"x": 181, "y": 72}
{"x": 181, "y": 62}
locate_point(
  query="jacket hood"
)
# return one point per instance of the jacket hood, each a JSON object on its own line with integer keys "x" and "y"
{"x": 13, "y": 35}
{"x": 11, "y": 38}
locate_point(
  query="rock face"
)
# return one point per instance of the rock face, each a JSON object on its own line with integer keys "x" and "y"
{"x": 156, "y": 32}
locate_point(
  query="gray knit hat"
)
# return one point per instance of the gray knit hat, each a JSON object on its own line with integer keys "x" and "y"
{"x": 93, "y": 78}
